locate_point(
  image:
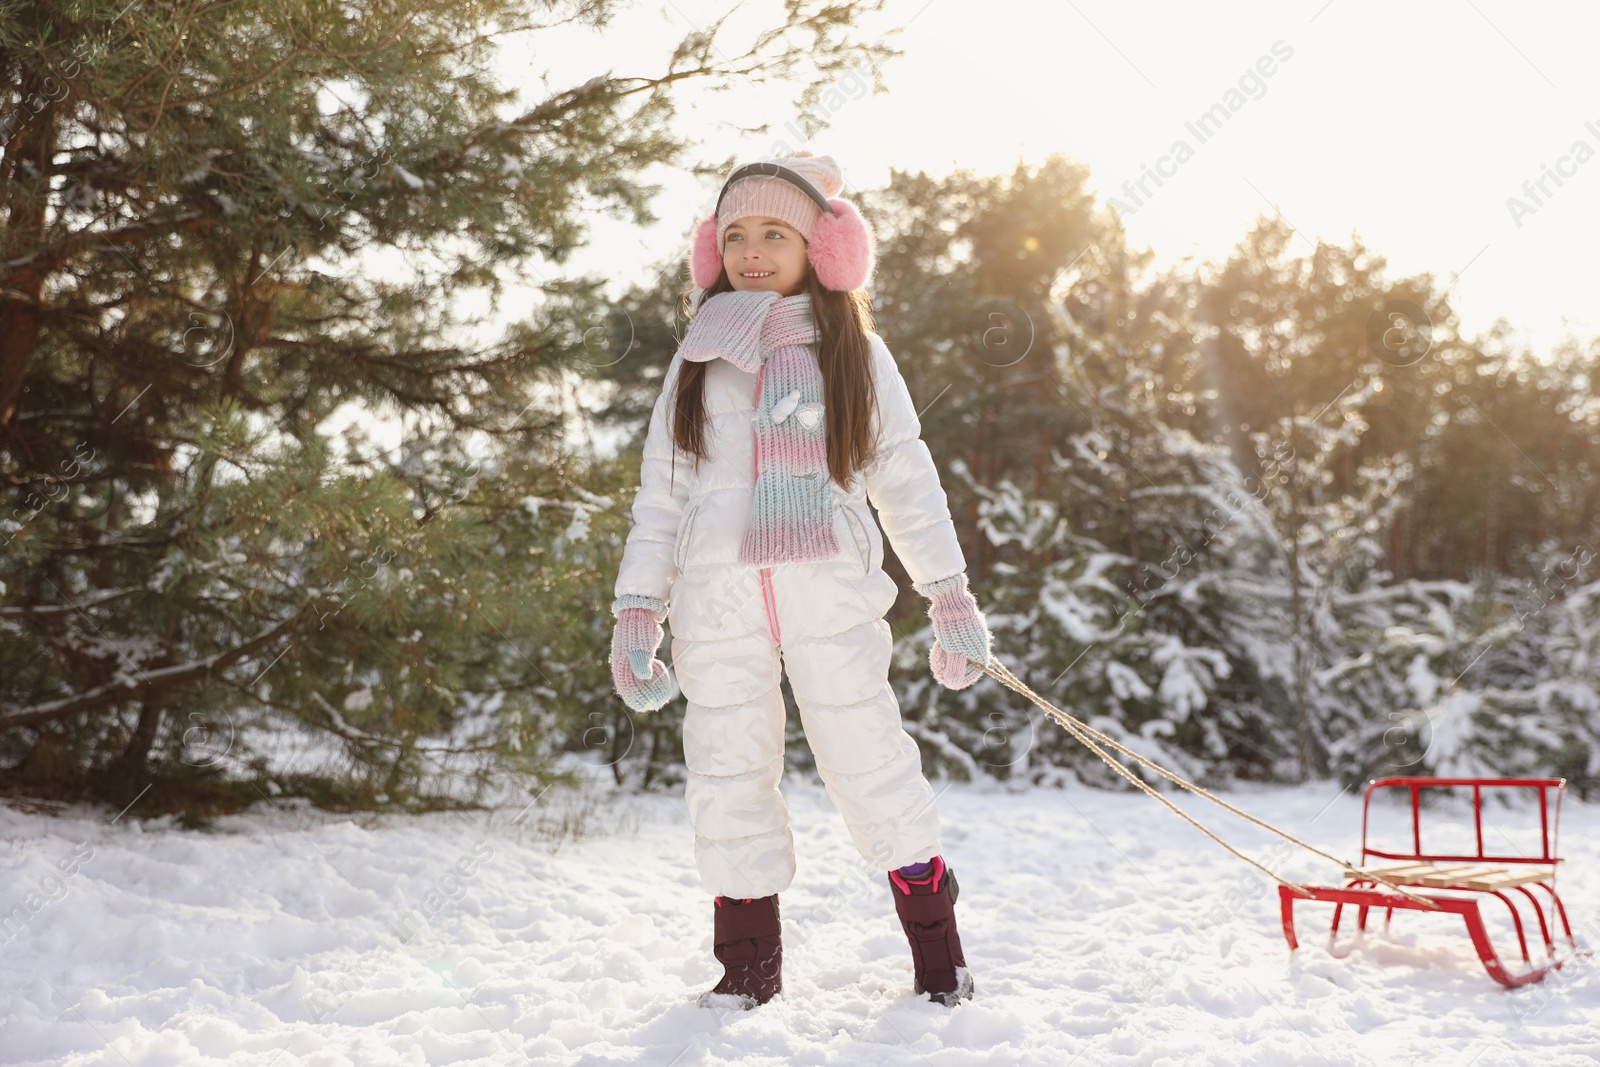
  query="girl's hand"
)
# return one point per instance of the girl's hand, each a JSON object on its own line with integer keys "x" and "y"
{"x": 960, "y": 636}
{"x": 641, "y": 680}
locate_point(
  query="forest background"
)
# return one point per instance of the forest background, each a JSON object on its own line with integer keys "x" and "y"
{"x": 1273, "y": 518}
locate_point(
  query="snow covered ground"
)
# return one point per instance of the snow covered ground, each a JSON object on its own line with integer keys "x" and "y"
{"x": 1101, "y": 929}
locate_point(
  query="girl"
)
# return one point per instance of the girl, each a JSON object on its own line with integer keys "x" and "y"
{"x": 766, "y": 559}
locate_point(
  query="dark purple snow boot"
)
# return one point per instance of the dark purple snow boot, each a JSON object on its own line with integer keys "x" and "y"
{"x": 748, "y": 943}
{"x": 926, "y": 906}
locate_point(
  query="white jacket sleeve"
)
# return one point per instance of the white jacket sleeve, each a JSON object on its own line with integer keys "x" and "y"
{"x": 649, "y": 556}
{"x": 903, "y": 483}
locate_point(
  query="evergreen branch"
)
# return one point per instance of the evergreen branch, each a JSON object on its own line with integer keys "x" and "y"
{"x": 178, "y": 36}
{"x": 16, "y": 296}
{"x": 385, "y": 43}
{"x": 527, "y": 27}
{"x": 309, "y": 49}
{"x": 118, "y": 544}
{"x": 129, "y": 108}
{"x": 67, "y": 609}
{"x": 408, "y": 361}
{"x": 340, "y": 727}
{"x": 215, "y": 5}
{"x": 151, "y": 681}
{"x": 53, "y": 255}
{"x": 552, "y": 111}
{"x": 337, "y": 724}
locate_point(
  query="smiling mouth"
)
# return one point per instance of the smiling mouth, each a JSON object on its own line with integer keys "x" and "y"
{"x": 758, "y": 273}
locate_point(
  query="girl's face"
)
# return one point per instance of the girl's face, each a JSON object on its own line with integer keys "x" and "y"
{"x": 766, "y": 255}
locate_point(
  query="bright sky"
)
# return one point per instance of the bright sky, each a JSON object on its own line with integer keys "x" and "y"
{"x": 1410, "y": 125}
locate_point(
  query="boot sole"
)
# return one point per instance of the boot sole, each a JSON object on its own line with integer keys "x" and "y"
{"x": 728, "y": 1001}
{"x": 964, "y": 989}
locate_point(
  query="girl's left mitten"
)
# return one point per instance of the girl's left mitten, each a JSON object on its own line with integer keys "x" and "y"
{"x": 641, "y": 679}
{"x": 961, "y": 638}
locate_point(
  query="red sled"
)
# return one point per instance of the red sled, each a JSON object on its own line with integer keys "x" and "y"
{"x": 1480, "y": 873}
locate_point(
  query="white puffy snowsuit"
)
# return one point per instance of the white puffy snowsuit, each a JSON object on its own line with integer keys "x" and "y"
{"x": 735, "y": 627}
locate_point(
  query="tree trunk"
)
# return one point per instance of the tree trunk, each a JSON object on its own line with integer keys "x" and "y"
{"x": 1297, "y": 634}
{"x": 131, "y": 768}
{"x": 395, "y": 779}
{"x": 1398, "y": 565}
{"x": 655, "y": 750}
{"x": 32, "y": 142}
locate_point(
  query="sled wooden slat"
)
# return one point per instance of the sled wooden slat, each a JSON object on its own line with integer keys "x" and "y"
{"x": 1508, "y": 879}
{"x": 1394, "y": 874}
{"x": 1445, "y": 877}
{"x": 1428, "y": 874}
{"x": 1530, "y": 867}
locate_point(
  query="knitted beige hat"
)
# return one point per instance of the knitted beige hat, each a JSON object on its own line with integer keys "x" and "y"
{"x": 775, "y": 198}
{"x": 840, "y": 244}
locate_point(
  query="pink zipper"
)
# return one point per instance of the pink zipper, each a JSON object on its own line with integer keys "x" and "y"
{"x": 769, "y": 596}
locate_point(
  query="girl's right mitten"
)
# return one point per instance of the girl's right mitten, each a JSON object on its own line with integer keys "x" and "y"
{"x": 641, "y": 680}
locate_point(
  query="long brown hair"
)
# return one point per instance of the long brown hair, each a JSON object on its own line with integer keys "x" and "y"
{"x": 845, "y": 357}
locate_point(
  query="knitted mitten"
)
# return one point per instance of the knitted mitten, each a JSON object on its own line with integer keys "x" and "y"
{"x": 641, "y": 679}
{"x": 960, "y": 635}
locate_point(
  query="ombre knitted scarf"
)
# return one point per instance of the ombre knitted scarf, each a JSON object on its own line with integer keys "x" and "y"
{"x": 791, "y": 517}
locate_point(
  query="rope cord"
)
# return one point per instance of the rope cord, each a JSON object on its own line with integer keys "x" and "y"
{"x": 1083, "y": 732}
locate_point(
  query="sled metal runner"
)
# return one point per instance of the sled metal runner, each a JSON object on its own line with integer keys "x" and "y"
{"x": 1481, "y": 872}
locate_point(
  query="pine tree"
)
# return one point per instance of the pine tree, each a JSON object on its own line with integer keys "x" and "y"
{"x": 228, "y": 230}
